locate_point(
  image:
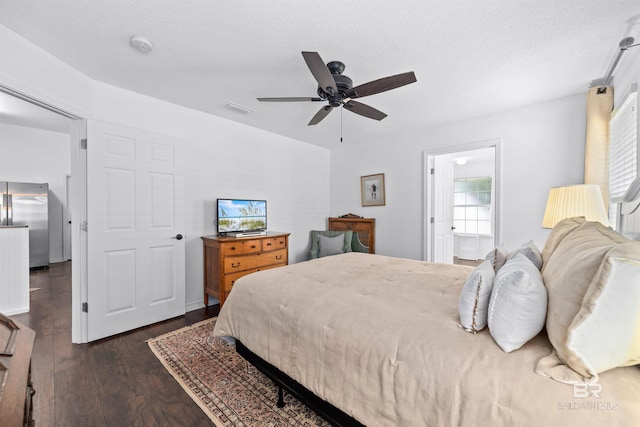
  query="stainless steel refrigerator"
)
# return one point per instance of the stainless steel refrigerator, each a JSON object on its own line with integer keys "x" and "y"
{"x": 27, "y": 204}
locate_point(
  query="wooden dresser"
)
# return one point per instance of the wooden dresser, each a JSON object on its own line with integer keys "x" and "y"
{"x": 364, "y": 228}
{"x": 16, "y": 388}
{"x": 226, "y": 259}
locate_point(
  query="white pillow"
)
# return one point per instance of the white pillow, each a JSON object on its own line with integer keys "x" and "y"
{"x": 593, "y": 317}
{"x": 518, "y": 305}
{"x": 474, "y": 298}
{"x": 605, "y": 334}
{"x": 498, "y": 256}
{"x": 330, "y": 245}
{"x": 531, "y": 251}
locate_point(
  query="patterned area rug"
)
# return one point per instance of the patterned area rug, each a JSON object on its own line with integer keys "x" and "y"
{"x": 227, "y": 388}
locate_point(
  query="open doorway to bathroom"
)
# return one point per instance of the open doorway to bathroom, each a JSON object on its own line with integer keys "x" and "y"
{"x": 462, "y": 203}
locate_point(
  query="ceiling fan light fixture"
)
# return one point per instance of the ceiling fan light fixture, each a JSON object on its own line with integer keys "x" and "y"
{"x": 141, "y": 44}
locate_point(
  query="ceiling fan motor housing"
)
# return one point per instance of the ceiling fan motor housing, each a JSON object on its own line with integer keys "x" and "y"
{"x": 343, "y": 83}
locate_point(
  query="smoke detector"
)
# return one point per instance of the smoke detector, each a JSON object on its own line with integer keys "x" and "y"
{"x": 141, "y": 44}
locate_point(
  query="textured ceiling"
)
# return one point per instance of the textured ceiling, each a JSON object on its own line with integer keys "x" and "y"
{"x": 470, "y": 57}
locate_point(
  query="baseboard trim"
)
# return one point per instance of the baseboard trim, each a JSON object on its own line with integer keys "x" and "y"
{"x": 194, "y": 306}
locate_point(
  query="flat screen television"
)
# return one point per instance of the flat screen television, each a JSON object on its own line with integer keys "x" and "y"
{"x": 241, "y": 216}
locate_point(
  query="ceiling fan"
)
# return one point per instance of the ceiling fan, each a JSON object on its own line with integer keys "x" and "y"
{"x": 338, "y": 89}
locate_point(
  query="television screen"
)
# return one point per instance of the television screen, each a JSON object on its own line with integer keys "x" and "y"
{"x": 236, "y": 215}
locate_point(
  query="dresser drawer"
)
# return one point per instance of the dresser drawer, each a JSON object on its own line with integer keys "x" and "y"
{"x": 241, "y": 247}
{"x": 227, "y": 259}
{"x": 230, "y": 279}
{"x": 274, "y": 243}
{"x": 248, "y": 262}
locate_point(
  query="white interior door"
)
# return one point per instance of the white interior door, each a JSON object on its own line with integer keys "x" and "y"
{"x": 136, "y": 253}
{"x": 443, "y": 210}
{"x": 66, "y": 221}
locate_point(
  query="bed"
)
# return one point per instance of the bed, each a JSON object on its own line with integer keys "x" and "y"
{"x": 379, "y": 338}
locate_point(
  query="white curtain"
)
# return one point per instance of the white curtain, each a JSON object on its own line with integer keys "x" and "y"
{"x": 596, "y": 153}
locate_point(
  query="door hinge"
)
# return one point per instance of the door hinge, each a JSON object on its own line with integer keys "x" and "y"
{"x": 85, "y": 307}
{"x": 433, "y": 171}
{"x": 432, "y": 220}
{"x": 84, "y": 226}
{"x": 83, "y": 143}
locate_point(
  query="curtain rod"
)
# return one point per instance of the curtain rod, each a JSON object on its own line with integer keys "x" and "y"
{"x": 625, "y": 44}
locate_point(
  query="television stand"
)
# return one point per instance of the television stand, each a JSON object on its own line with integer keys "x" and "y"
{"x": 246, "y": 233}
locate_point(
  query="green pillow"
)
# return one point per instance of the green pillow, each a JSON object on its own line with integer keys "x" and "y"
{"x": 347, "y": 235}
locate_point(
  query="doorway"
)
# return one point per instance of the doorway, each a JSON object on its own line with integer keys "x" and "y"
{"x": 23, "y": 111}
{"x": 66, "y": 221}
{"x": 462, "y": 202}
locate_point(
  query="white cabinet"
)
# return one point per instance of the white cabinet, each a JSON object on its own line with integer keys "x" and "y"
{"x": 468, "y": 247}
{"x": 14, "y": 270}
{"x": 472, "y": 247}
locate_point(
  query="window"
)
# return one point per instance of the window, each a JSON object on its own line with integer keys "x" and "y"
{"x": 472, "y": 205}
{"x": 623, "y": 153}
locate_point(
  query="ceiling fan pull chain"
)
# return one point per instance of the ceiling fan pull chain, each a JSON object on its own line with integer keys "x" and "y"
{"x": 341, "y": 109}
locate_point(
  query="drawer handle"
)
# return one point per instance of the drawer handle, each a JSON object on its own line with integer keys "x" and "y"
{"x": 235, "y": 264}
{"x": 233, "y": 248}
{"x": 278, "y": 256}
{"x": 253, "y": 246}
{"x": 269, "y": 244}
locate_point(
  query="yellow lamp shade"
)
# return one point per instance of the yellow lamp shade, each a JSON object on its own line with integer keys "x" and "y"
{"x": 572, "y": 201}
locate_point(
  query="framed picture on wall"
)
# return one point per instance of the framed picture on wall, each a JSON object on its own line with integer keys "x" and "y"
{"x": 372, "y": 190}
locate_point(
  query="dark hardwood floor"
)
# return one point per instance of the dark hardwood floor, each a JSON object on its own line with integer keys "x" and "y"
{"x": 116, "y": 381}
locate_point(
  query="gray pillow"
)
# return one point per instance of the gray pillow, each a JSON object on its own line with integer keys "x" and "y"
{"x": 345, "y": 234}
{"x": 497, "y": 257}
{"x": 330, "y": 245}
{"x": 518, "y": 304}
{"x": 474, "y": 298}
{"x": 530, "y": 250}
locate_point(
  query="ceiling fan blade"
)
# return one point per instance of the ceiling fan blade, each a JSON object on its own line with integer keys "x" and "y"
{"x": 382, "y": 85}
{"x": 320, "y": 72}
{"x": 290, "y": 99}
{"x": 324, "y": 111}
{"x": 364, "y": 110}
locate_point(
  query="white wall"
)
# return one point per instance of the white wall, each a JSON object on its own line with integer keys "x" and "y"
{"x": 228, "y": 159}
{"x": 474, "y": 169}
{"x": 221, "y": 158}
{"x": 542, "y": 147}
{"x": 34, "y": 155}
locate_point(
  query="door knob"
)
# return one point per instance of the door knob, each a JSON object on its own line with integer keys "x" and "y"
{"x": 452, "y": 227}
{"x": 178, "y": 236}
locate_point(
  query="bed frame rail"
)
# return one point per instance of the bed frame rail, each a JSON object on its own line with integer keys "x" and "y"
{"x": 333, "y": 415}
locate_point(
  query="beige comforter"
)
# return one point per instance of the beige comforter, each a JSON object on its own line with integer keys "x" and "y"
{"x": 378, "y": 337}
